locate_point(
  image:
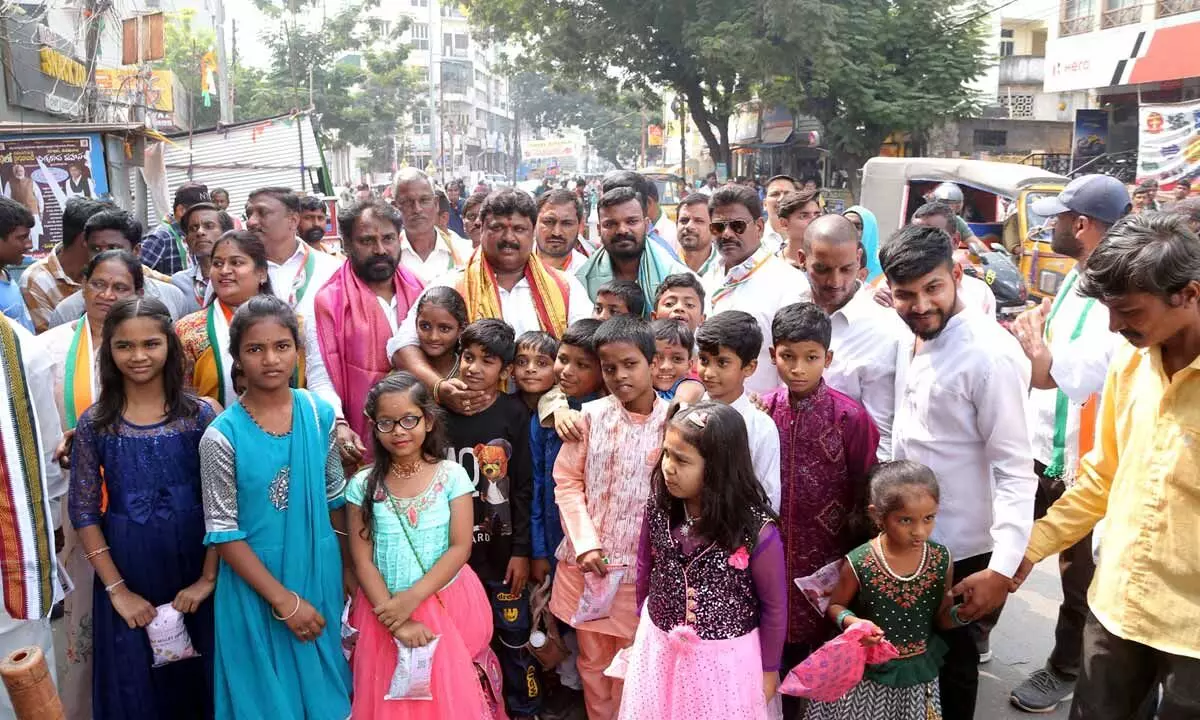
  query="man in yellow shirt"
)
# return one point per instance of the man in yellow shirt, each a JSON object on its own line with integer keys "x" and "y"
{"x": 1143, "y": 477}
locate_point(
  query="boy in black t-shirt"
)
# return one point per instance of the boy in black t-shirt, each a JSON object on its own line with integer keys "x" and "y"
{"x": 493, "y": 447}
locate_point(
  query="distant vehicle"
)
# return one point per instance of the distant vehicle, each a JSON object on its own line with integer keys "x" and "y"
{"x": 494, "y": 180}
{"x": 668, "y": 181}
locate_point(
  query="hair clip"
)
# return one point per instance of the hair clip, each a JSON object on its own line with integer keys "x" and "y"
{"x": 699, "y": 419}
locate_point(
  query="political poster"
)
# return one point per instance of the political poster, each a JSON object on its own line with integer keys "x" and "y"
{"x": 1091, "y": 136}
{"x": 1169, "y": 143}
{"x": 43, "y": 172}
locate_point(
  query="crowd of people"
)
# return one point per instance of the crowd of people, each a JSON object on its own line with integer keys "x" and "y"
{"x": 466, "y": 464}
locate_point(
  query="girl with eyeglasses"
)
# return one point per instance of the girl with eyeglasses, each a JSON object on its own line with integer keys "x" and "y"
{"x": 410, "y": 528}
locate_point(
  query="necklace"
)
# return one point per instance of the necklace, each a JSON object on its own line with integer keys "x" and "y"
{"x": 893, "y": 573}
{"x": 688, "y": 523}
{"x": 404, "y": 471}
{"x": 260, "y": 425}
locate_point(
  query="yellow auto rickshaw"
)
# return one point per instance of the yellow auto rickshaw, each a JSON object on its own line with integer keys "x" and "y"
{"x": 668, "y": 182}
{"x": 997, "y": 205}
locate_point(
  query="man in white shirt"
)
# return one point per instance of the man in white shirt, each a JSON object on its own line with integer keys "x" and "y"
{"x": 506, "y": 270}
{"x": 424, "y": 249}
{"x": 866, "y": 337}
{"x": 1069, "y": 345}
{"x": 560, "y": 215}
{"x": 960, "y": 410}
{"x": 691, "y": 232}
{"x": 775, "y": 234}
{"x": 748, "y": 276}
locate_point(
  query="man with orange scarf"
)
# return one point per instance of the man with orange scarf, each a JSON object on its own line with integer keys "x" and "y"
{"x": 360, "y": 307}
{"x": 502, "y": 280}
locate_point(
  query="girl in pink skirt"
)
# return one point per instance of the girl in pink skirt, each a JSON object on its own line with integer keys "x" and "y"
{"x": 410, "y": 537}
{"x": 711, "y": 573}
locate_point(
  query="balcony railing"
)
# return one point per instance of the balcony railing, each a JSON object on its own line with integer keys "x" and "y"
{"x": 1177, "y": 7}
{"x": 1022, "y": 70}
{"x": 1076, "y": 25}
{"x": 1121, "y": 16}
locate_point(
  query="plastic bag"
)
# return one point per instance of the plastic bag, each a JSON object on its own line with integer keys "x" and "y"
{"x": 545, "y": 642}
{"x": 413, "y": 678}
{"x": 599, "y": 593}
{"x": 837, "y": 666}
{"x": 818, "y": 587}
{"x": 349, "y": 633}
{"x": 169, "y": 639}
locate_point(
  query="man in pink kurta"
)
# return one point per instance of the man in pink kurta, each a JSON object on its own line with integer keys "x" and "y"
{"x": 359, "y": 308}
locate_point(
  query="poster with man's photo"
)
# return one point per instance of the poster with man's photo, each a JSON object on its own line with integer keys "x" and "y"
{"x": 43, "y": 172}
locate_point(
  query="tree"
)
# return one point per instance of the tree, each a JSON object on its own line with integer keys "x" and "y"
{"x": 612, "y": 121}
{"x": 706, "y": 50}
{"x": 185, "y": 44}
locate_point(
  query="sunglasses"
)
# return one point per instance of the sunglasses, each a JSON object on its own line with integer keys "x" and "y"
{"x": 408, "y": 422}
{"x": 738, "y": 227}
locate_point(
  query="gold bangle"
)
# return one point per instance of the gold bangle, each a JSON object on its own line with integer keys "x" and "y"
{"x": 437, "y": 392}
{"x": 94, "y": 553}
{"x": 292, "y": 613}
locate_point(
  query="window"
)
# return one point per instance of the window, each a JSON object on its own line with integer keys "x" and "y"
{"x": 1006, "y": 43}
{"x": 420, "y": 3}
{"x": 456, "y": 77}
{"x": 451, "y": 10}
{"x": 454, "y": 44}
{"x": 420, "y": 122}
{"x": 420, "y": 36}
{"x": 992, "y": 139}
{"x": 1077, "y": 9}
{"x": 1017, "y": 106}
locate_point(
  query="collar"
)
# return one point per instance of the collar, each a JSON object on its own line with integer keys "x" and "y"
{"x": 854, "y": 309}
{"x": 761, "y": 254}
{"x": 441, "y": 243}
{"x": 953, "y": 327}
{"x": 300, "y": 252}
{"x": 55, "y": 268}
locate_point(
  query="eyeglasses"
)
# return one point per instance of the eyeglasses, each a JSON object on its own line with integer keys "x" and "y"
{"x": 408, "y": 422}
{"x": 100, "y": 287}
{"x": 737, "y": 226}
{"x": 425, "y": 202}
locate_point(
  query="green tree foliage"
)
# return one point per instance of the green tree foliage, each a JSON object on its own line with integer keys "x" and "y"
{"x": 185, "y": 42}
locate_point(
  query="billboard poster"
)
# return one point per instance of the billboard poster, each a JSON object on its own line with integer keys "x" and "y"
{"x": 1090, "y": 140}
{"x": 43, "y": 172}
{"x": 1169, "y": 142}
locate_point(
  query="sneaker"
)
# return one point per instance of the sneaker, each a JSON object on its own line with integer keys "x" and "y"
{"x": 1042, "y": 692}
{"x": 984, "y": 647}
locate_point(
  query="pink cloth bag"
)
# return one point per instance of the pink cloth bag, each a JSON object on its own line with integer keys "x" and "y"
{"x": 837, "y": 666}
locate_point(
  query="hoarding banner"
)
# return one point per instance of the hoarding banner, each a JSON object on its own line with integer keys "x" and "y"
{"x": 43, "y": 172}
{"x": 544, "y": 149}
{"x": 1169, "y": 142}
{"x": 1091, "y": 136}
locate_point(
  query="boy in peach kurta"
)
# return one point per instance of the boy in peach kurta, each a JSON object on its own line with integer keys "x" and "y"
{"x": 601, "y": 486}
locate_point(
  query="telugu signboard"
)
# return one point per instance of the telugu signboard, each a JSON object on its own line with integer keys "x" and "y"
{"x": 1169, "y": 142}
{"x": 43, "y": 172}
{"x": 546, "y": 149}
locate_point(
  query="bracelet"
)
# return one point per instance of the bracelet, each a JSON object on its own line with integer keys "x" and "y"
{"x": 343, "y": 533}
{"x": 94, "y": 553}
{"x": 437, "y": 392}
{"x": 109, "y": 588}
{"x": 958, "y": 622}
{"x": 293, "y": 612}
{"x": 341, "y": 421}
{"x": 841, "y": 617}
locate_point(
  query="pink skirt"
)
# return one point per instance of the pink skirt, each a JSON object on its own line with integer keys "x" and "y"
{"x": 464, "y": 629}
{"x": 678, "y": 676}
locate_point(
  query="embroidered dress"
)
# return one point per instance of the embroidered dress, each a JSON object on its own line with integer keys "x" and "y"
{"x": 275, "y": 493}
{"x": 154, "y": 528}
{"x": 410, "y": 535}
{"x": 905, "y": 608}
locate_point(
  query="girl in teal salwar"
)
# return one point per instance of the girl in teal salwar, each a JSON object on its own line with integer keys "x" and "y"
{"x": 273, "y": 485}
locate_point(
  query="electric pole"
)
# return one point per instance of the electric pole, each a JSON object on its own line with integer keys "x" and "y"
{"x": 224, "y": 69}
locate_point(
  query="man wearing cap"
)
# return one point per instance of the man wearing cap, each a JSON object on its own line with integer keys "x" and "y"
{"x": 1069, "y": 345}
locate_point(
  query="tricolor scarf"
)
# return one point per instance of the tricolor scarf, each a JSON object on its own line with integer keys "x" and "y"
{"x": 739, "y": 274}
{"x": 303, "y": 277}
{"x": 218, "y": 317}
{"x": 550, "y": 292}
{"x": 26, "y": 537}
{"x": 80, "y": 389}
{"x": 1062, "y": 404}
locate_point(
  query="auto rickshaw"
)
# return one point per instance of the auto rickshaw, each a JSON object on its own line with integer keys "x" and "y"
{"x": 668, "y": 183}
{"x": 997, "y": 205}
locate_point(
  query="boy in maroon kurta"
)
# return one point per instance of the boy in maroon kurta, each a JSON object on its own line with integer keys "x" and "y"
{"x": 827, "y": 444}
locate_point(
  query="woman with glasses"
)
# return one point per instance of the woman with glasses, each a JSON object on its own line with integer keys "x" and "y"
{"x": 73, "y": 348}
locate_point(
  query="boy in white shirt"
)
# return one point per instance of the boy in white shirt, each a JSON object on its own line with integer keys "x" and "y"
{"x": 729, "y": 344}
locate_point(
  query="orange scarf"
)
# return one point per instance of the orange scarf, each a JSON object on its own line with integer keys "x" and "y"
{"x": 550, "y": 292}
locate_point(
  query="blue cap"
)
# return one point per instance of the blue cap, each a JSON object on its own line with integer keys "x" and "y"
{"x": 1102, "y": 197}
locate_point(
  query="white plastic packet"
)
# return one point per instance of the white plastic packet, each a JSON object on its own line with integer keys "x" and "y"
{"x": 349, "y": 633}
{"x": 169, "y": 637}
{"x": 413, "y": 678}
{"x": 818, "y": 587}
{"x": 599, "y": 593}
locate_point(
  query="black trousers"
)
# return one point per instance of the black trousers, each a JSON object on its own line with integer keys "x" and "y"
{"x": 511, "y": 620}
{"x": 959, "y": 678}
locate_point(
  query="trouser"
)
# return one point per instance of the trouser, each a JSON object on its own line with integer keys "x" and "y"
{"x": 793, "y": 655}
{"x": 959, "y": 678}
{"x": 511, "y": 623}
{"x": 1075, "y": 567}
{"x": 601, "y": 694}
{"x": 16, "y": 634}
{"x": 1116, "y": 675}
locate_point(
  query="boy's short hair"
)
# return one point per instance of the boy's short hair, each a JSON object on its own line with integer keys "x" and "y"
{"x": 734, "y": 329}
{"x": 678, "y": 280}
{"x": 800, "y": 322}
{"x": 675, "y": 332}
{"x": 626, "y": 329}
{"x": 629, "y": 292}
{"x": 541, "y": 342}
{"x": 792, "y": 201}
{"x": 582, "y": 334}
{"x": 496, "y": 338}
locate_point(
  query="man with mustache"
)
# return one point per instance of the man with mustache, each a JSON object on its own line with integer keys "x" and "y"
{"x": 747, "y": 276}
{"x": 626, "y": 255}
{"x": 427, "y": 251}
{"x": 164, "y": 249}
{"x": 960, "y": 410}
{"x": 313, "y": 217}
{"x": 504, "y": 281}
{"x": 692, "y": 234}
{"x": 1069, "y": 344}
{"x": 361, "y": 306}
{"x": 1143, "y": 625}
{"x": 560, "y": 215}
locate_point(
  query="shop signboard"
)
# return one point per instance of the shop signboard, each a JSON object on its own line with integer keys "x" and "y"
{"x": 1152, "y": 52}
{"x": 546, "y": 149}
{"x": 1169, "y": 142}
{"x": 40, "y": 70}
{"x": 43, "y": 172}
{"x": 1091, "y": 136}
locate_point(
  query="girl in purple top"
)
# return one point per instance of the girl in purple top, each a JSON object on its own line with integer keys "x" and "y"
{"x": 711, "y": 575}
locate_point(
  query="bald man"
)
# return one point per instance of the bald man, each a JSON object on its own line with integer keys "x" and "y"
{"x": 866, "y": 337}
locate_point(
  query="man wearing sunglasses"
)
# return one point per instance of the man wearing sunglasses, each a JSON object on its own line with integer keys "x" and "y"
{"x": 747, "y": 275}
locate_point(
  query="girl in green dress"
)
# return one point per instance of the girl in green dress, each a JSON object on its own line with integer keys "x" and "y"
{"x": 899, "y": 583}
